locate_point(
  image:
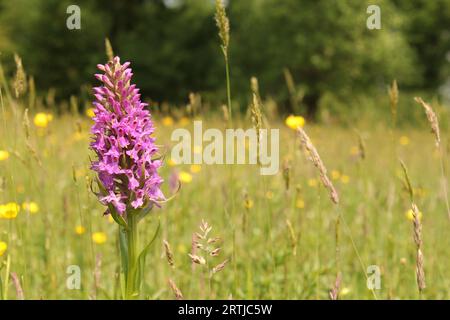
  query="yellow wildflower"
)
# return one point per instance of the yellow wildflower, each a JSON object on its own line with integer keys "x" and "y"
{"x": 185, "y": 177}
{"x": 4, "y": 155}
{"x": 167, "y": 121}
{"x": 99, "y": 237}
{"x": 110, "y": 218}
{"x": 184, "y": 121}
{"x": 31, "y": 207}
{"x": 404, "y": 140}
{"x": 41, "y": 120}
{"x": 269, "y": 195}
{"x": 345, "y": 291}
{"x": 171, "y": 163}
{"x": 20, "y": 188}
{"x": 410, "y": 215}
{"x": 300, "y": 203}
{"x": 312, "y": 183}
{"x": 335, "y": 174}
{"x": 90, "y": 112}
{"x": 3, "y": 247}
{"x": 345, "y": 179}
{"x": 79, "y": 230}
{"x": 78, "y": 136}
{"x": 294, "y": 122}
{"x": 9, "y": 210}
{"x": 354, "y": 151}
{"x": 182, "y": 249}
{"x": 248, "y": 203}
{"x": 195, "y": 168}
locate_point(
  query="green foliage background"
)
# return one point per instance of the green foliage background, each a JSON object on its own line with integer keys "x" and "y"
{"x": 174, "y": 49}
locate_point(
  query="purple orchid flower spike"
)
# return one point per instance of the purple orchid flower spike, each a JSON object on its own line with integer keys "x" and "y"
{"x": 126, "y": 168}
{"x": 126, "y": 165}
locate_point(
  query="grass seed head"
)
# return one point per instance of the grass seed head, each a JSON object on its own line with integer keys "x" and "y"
{"x": 318, "y": 163}
{"x": 223, "y": 24}
{"x": 432, "y": 119}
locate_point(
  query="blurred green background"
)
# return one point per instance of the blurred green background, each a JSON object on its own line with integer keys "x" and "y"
{"x": 323, "y": 45}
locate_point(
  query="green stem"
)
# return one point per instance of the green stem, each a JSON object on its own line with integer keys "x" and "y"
{"x": 227, "y": 72}
{"x": 132, "y": 240}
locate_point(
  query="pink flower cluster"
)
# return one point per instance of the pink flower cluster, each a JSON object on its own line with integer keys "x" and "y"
{"x": 123, "y": 142}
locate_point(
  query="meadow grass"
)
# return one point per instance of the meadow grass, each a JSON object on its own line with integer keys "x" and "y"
{"x": 287, "y": 249}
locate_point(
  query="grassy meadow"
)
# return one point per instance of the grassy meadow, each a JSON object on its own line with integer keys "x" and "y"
{"x": 281, "y": 235}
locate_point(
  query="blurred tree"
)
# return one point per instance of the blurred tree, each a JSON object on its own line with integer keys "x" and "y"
{"x": 174, "y": 49}
{"x": 57, "y": 57}
{"x": 427, "y": 29}
{"x": 174, "y": 45}
{"x": 325, "y": 44}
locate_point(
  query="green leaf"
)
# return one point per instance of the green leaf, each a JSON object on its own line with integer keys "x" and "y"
{"x": 142, "y": 256}
{"x": 117, "y": 217}
{"x": 123, "y": 246}
{"x": 123, "y": 284}
{"x": 143, "y": 212}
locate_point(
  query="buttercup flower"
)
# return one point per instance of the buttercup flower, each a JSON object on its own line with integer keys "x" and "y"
{"x": 4, "y": 155}
{"x": 41, "y": 120}
{"x": 90, "y": 112}
{"x": 31, "y": 207}
{"x": 80, "y": 229}
{"x": 345, "y": 179}
{"x": 195, "y": 168}
{"x": 335, "y": 174}
{"x": 404, "y": 140}
{"x": 294, "y": 122}
{"x": 126, "y": 168}
{"x": 185, "y": 177}
{"x": 3, "y": 247}
{"x": 167, "y": 121}
{"x": 99, "y": 237}
{"x": 9, "y": 210}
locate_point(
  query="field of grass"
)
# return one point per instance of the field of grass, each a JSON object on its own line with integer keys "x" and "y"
{"x": 282, "y": 236}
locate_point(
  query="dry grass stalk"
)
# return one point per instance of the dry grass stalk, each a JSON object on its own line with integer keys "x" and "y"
{"x": 19, "y": 290}
{"x": 318, "y": 163}
{"x": 408, "y": 185}
{"x": 26, "y": 124}
{"x": 434, "y": 123}
{"x": 257, "y": 121}
{"x": 97, "y": 272}
{"x": 287, "y": 173}
{"x": 205, "y": 248}
{"x": 295, "y": 95}
{"x": 194, "y": 243}
{"x": 109, "y": 50}
{"x": 361, "y": 146}
{"x": 169, "y": 254}
{"x": 432, "y": 119}
{"x": 224, "y": 26}
{"x": 32, "y": 93}
{"x": 393, "y": 97}
{"x": 197, "y": 259}
{"x": 254, "y": 85}
{"x": 292, "y": 236}
{"x": 219, "y": 267}
{"x": 334, "y": 292}
{"x": 226, "y": 115}
{"x": 20, "y": 80}
{"x": 177, "y": 292}
{"x": 420, "y": 273}
{"x": 337, "y": 242}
